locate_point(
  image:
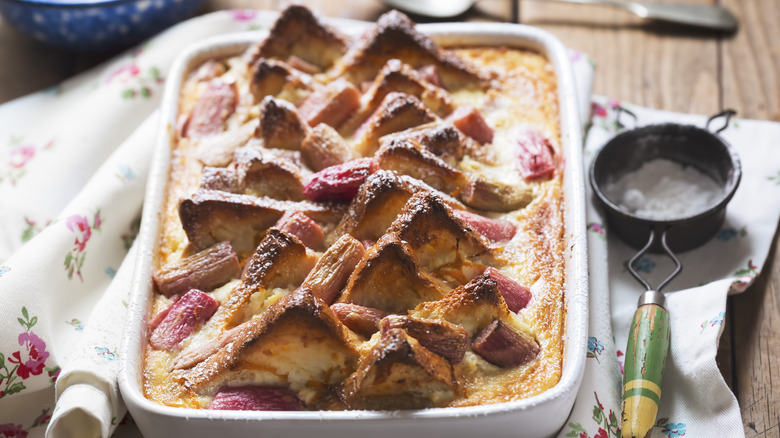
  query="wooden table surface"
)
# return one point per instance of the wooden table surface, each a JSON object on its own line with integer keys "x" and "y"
{"x": 654, "y": 65}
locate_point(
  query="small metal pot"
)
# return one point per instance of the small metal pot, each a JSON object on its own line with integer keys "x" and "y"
{"x": 686, "y": 144}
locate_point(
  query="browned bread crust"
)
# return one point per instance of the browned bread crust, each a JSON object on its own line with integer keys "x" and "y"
{"x": 388, "y": 295}
{"x": 298, "y": 32}
{"x": 394, "y": 37}
{"x": 398, "y": 373}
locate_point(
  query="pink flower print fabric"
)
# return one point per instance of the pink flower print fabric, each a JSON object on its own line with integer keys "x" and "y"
{"x": 35, "y": 355}
{"x": 11, "y": 430}
{"x": 82, "y": 230}
{"x": 80, "y": 227}
{"x": 20, "y": 156}
{"x": 29, "y": 360}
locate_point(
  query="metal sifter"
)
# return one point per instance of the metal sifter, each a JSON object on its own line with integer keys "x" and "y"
{"x": 648, "y": 340}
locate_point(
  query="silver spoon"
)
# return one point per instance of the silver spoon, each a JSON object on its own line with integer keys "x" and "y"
{"x": 701, "y": 15}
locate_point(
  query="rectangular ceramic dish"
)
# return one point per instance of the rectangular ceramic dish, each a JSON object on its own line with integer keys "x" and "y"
{"x": 537, "y": 416}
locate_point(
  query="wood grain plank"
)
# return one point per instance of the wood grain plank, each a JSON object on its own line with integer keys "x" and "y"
{"x": 660, "y": 66}
{"x": 756, "y": 347}
{"x": 599, "y": 32}
{"x": 751, "y": 60}
{"x": 28, "y": 66}
{"x": 492, "y": 10}
{"x": 657, "y": 65}
{"x": 725, "y": 355}
{"x": 751, "y": 85}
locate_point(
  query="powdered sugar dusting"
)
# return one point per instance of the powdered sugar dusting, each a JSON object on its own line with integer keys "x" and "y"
{"x": 664, "y": 190}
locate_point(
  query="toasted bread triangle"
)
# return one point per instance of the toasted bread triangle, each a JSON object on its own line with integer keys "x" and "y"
{"x": 398, "y": 373}
{"x": 439, "y": 137}
{"x": 394, "y": 37}
{"x": 261, "y": 173}
{"x": 297, "y": 325}
{"x": 280, "y": 125}
{"x": 407, "y": 156}
{"x": 211, "y": 216}
{"x": 397, "y": 76}
{"x": 472, "y": 305}
{"x": 436, "y": 235}
{"x": 397, "y": 112}
{"x": 389, "y": 278}
{"x": 298, "y": 32}
{"x": 281, "y": 260}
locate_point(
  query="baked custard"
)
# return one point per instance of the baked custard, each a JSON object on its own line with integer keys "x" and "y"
{"x": 373, "y": 223}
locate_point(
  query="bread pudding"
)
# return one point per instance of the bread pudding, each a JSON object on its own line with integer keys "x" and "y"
{"x": 371, "y": 223}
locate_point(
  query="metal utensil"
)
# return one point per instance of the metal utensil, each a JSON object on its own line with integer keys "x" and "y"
{"x": 700, "y": 15}
{"x": 648, "y": 340}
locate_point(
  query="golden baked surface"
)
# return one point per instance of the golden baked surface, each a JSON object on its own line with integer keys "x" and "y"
{"x": 367, "y": 224}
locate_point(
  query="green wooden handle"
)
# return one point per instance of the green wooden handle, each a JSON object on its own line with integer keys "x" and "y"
{"x": 648, "y": 344}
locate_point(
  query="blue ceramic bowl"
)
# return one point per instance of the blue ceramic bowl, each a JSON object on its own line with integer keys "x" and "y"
{"x": 94, "y": 25}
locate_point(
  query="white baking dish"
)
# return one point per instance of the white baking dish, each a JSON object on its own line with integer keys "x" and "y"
{"x": 537, "y": 416}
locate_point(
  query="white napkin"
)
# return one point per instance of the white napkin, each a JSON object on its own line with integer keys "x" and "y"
{"x": 88, "y": 401}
